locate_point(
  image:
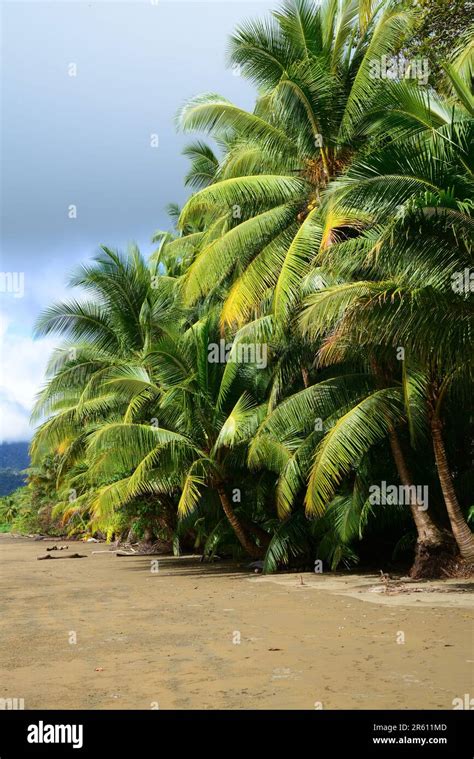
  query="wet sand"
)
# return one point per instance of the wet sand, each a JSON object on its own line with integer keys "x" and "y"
{"x": 170, "y": 639}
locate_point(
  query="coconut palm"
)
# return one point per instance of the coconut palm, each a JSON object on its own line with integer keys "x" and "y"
{"x": 130, "y": 306}
{"x": 419, "y": 239}
{"x": 204, "y": 413}
{"x": 312, "y": 64}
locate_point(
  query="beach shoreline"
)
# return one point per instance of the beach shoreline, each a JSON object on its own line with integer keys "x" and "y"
{"x": 104, "y": 632}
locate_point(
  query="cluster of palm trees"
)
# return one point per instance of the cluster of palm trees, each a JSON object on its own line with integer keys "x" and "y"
{"x": 329, "y": 226}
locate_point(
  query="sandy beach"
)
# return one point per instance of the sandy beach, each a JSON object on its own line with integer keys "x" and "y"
{"x": 113, "y": 633}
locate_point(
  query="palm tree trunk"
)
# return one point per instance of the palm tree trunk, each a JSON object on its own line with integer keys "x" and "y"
{"x": 257, "y": 531}
{"x": 434, "y": 545}
{"x": 253, "y": 550}
{"x": 427, "y": 530}
{"x": 462, "y": 534}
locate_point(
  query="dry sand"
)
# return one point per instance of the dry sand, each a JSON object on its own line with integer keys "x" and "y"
{"x": 166, "y": 639}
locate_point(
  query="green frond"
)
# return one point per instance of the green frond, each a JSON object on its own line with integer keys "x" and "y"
{"x": 352, "y": 435}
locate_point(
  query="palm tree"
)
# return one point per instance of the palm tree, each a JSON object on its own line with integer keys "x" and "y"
{"x": 206, "y": 414}
{"x": 114, "y": 329}
{"x": 419, "y": 237}
{"x": 312, "y": 65}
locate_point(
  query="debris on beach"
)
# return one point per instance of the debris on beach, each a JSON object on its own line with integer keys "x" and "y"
{"x": 129, "y": 553}
{"x": 70, "y": 556}
{"x": 210, "y": 558}
{"x": 257, "y": 566}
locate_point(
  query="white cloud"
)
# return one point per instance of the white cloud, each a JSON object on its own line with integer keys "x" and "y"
{"x": 23, "y": 363}
{"x": 14, "y": 424}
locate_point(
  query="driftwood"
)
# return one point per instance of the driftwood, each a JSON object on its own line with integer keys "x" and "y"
{"x": 119, "y": 552}
{"x": 70, "y": 556}
{"x": 136, "y": 553}
{"x": 125, "y": 553}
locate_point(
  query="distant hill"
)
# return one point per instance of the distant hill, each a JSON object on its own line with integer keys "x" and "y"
{"x": 14, "y": 455}
{"x": 13, "y": 459}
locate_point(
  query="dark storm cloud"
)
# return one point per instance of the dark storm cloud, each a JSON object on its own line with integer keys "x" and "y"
{"x": 84, "y": 140}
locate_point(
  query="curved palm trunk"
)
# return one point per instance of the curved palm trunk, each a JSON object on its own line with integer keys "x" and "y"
{"x": 433, "y": 545}
{"x": 427, "y": 530}
{"x": 462, "y": 534}
{"x": 255, "y": 529}
{"x": 253, "y": 550}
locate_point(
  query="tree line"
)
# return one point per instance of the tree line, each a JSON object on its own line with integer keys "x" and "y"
{"x": 302, "y": 334}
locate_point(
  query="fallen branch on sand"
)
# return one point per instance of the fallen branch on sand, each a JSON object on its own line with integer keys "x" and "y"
{"x": 127, "y": 553}
{"x": 119, "y": 552}
{"x": 136, "y": 553}
{"x": 70, "y": 556}
{"x": 110, "y": 552}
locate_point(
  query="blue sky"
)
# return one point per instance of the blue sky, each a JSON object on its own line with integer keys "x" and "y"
{"x": 84, "y": 140}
